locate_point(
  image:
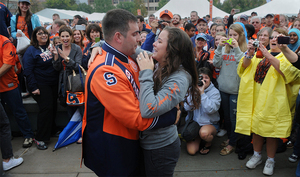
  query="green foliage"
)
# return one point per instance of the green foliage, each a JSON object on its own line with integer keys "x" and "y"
{"x": 85, "y": 8}
{"x": 129, "y": 6}
{"x": 243, "y": 5}
{"x": 162, "y": 3}
{"x": 139, "y": 4}
{"x": 60, "y": 4}
{"x": 103, "y": 6}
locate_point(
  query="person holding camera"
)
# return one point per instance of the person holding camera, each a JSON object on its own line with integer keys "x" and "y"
{"x": 228, "y": 55}
{"x": 268, "y": 90}
{"x": 207, "y": 115}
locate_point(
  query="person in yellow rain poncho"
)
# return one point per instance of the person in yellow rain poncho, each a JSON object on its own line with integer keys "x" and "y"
{"x": 268, "y": 89}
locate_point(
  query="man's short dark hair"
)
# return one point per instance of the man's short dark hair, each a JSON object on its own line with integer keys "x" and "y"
{"x": 59, "y": 22}
{"x": 117, "y": 20}
{"x": 56, "y": 15}
{"x": 141, "y": 18}
{"x": 82, "y": 21}
{"x": 151, "y": 15}
{"x": 189, "y": 26}
{"x": 178, "y": 16}
{"x": 208, "y": 16}
{"x": 253, "y": 13}
{"x": 195, "y": 12}
{"x": 78, "y": 16}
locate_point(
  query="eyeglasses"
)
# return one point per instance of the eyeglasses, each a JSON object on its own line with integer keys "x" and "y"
{"x": 40, "y": 34}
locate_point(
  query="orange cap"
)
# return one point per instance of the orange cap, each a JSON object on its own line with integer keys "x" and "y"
{"x": 167, "y": 12}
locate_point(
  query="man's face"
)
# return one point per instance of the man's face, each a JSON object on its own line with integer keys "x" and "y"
{"x": 151, "y": 19}
{"x": 129, "y": 44}
{"x": 175, "y": 20}
{"x": 194, "y": 17}
{"x": 269, "y": 20}
{"x": 55, "y": 28}
{"x": 202, "y": 27}
{"x": 140, "y": 24}
{"x": 225, "y": 20}
{"x": 256, "y": 24}
{"x": 282, "y": 21}
{"x": 243, "y": 21}
{"x": 190, "y": 32}
{"x": 207, "y": 18}
{"x": 54, "y": 17}
{"x": 218, "y": 21}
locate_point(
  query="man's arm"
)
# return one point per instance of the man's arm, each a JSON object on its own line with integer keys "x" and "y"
{"x": 4, "y": 69}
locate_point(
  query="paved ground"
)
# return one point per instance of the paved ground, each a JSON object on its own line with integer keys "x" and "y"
{"x": 65, "y": 162}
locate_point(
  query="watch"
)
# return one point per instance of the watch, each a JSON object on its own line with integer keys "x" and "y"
{"x": 67, "y": 59}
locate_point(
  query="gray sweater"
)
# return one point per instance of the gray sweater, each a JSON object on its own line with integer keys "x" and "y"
{"x": 169, "y": 95}
{"x": 228, "y": 79}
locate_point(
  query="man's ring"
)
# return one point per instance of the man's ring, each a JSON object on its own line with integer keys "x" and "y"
{"x": 140, "y": 58}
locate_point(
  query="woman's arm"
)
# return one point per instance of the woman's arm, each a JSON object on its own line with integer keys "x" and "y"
{"x": 217, "y": 60}
{"x": 57, "y": 60}
{"x": 29, "y": 65}
{"x": 13, "y": 26}
{"x": 211, "y": 101}
{"x": 288, "y": 53}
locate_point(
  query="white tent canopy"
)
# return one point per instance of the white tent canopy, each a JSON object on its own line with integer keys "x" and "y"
{"x": 64, "y": 14}
{"x": 276, "y": 7}
{"x": 45, "y": 19}
{"x": 96, "y": 16}
{"x": 184, "y": 8}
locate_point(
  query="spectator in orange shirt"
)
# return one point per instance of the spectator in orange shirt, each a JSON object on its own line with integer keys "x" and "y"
{"x": 55, "y": 28}
{"x": 150, "y": 19}
{"x": 176, "y": 21}
{"x": 78, "y": 38}
{"x": 256, "y": 22}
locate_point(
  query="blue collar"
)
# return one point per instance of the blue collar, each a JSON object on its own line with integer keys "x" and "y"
{"x": 108, "y": 48}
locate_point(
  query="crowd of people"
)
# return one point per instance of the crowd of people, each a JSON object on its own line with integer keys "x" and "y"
{"x": 143, "y": 77}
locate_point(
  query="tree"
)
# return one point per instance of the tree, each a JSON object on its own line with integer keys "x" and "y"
{"x": 36, "y": 6}
{"x": 243, "y": 5}
{"x": 103, "y": 6}
{"x": 85, "y": 8}
{"x": 139, "y": 4}
{"x": 162, "y": 3}
{"x": 61, "y": 4}
{"x": 129, "y": 6}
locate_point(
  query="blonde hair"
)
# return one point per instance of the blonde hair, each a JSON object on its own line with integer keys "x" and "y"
{"x": 242, "y": 38}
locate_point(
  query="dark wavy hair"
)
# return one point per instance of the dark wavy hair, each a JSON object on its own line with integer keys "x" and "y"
{"x": 34, "y": 42}
{"x": 179, "y": 52}
{"x": 65, "y": 28}
{"x": 93, "y": 27}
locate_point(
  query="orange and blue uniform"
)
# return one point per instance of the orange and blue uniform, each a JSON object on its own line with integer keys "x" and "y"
{"x": 112, "y": 118}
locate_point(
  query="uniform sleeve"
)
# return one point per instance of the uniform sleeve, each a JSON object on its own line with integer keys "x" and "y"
{"x": 9, "y": 53}
{"x": 29, "y": 65}
{"x": 217, "y": 61}
{"x": 8, "y": 18}
{"x": 112, "y": 89}
{"x": 170, "y": 94}
{"x": 85, "y": 58}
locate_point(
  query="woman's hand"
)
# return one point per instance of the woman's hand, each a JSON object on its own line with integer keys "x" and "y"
{"x": 202, "y": 87}
{"x": 18, "y": 35}
{"x": 95, "y": 52}
{"x": 36, "y": 92}
{"x": 264, "y": 50}
{"x": 251, "y": 49}
{"x": 234, "y": 43}
{"x": 211, "y": 50}
{"x": 222, "y": 41}
{"x": 144, "y": 61}
{"x": 62, "y": 55}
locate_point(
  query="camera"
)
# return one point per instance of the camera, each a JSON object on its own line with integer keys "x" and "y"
{"x": 160, "y": 25}
{"x": 200, "y": 83}
{"x": 255, "y": 44}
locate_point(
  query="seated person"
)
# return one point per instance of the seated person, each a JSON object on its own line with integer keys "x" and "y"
{"x": 207, "y": 116}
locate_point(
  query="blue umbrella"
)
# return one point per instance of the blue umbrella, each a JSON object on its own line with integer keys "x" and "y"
{"x": 71, "y": 133}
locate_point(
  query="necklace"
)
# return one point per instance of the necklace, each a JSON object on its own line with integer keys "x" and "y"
{"x": 43, "y": 51}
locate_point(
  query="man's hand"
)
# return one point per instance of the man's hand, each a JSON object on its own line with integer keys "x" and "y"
{"x": 36, "y": 92}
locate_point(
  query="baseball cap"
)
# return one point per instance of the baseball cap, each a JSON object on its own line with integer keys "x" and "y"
{"x": 269, "y": 15}
{"x": 25, "y": 1}
{"x": 245, "y": 17}
{"x": 201, "y": 35}
{"x": 166, "y": 12}
{"x": 254, "y": 13}
{"x": 201, "y": 19}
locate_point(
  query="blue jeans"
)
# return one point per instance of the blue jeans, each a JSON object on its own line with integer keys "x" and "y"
{"x": 298, "y": 170}
{"x": 5, "y": 135}
{"x": 14, "y": 101}
{"x": 229, "y": 102}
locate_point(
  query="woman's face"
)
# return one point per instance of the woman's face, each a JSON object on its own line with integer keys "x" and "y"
{"x": 206, "y": 80}
{"x": 297, "y": 25}
{"x": 42, "y": 37}
{"x": 200, "y": 42}
{"x": 143, "y": 37}
{"x": 220, "y": 29}
{"x": 24, "y": 6}
{"x": 213, "y": 31}
{"x": 293, "y": 37}
{"x": 77, "y": 36}
{"x": 94, "y": 34}
{"x": 65, "y": 38}
{"x": 160, "y": 47}
{"x": 273, "y": 42}
{"x": 217, "y": 40}
{"x": 264, "y": 38}
{"x": 233, "y": 34}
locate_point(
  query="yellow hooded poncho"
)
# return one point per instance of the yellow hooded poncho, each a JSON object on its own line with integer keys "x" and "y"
{"x": 267, "y": 109}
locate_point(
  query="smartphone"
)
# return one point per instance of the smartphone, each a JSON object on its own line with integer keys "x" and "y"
{"x": 80, "y": 27}
{"x": 283, "y": 40}
{"x": 277, "y": 19}
{"x": 97, "y": 39}
{"x": 237, "y": 10}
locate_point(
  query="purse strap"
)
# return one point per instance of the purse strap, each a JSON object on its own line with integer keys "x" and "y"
{"x": 191, "y": 115}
